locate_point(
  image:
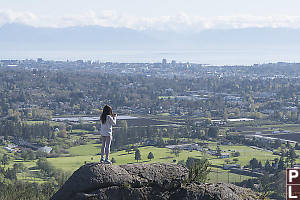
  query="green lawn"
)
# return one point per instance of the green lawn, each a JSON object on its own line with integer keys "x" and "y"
{"x": 247, "y": 153}
{"x": 32, "y": 122}
{"x": 85, "y": 150}
{"x": 219, "y": 175}
{"x": 87, "y": 153}
{"x": 79, "y": 155}
{"x": 80, "y": 131}
{"x": 31, "y": 177}
{"x": 160, "y": 155}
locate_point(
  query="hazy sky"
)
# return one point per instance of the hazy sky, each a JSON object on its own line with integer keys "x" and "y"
{"x": 154, "y": 14}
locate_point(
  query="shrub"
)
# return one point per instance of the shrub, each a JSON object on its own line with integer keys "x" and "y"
{"x": 198, "y": 171}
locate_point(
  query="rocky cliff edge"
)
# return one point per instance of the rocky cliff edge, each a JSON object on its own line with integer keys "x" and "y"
{"x": 142, "y": 182}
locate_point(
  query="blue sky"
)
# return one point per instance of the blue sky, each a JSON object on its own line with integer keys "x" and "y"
{"x": 153, "y": 14}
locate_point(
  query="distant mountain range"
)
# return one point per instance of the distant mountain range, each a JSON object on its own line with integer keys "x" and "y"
{"x": 23, "y": 37}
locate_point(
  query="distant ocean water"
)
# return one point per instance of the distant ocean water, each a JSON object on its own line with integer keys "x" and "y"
{"x": 229, "y": 56}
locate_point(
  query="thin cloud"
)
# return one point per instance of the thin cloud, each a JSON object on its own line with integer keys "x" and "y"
{"x": 9, "y": 16}
{"x": 179, "y": 22}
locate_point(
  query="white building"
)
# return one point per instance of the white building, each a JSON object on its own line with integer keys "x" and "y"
{"x": 45, "y": 149}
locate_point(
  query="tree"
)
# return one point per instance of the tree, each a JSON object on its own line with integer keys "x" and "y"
{"x": 62, "y": 133}
{"x": 253, "y": 163}
{"x": 268, "y": 166}
{"x": 24, "y": 155}
{"x": 150, "y": 156}
{"x": 11, "y": 174}
{"x": 277, "y": 144}
{"x": 281, "y": 165}
{"x": 181, "y": 162}
{"x": 218, "y": 151}
{"x": 236, "y": 154}
{"x": 288, "y": 144}
{"x": 19, "y": 167}
{"x": 137, "y": 155}
{"x": 5, "y": 160}
{"x": 124, "y": 125}
{"x": 265, "y": 186}
{"x": 160, "y": 142}
{"x": 292, "y": 156}
{"x": 45, "y": 166}
{"x": 213, "y": 132}
{"x": 31, "y": 155}
{"x": 28, "y": 155}
{"x": 198, "y": 171}
{"x": 190, "y": 162}
{"x": 260, "y": 166}
{"x": 176, "y": 151}
{"x": 280, "y": 185}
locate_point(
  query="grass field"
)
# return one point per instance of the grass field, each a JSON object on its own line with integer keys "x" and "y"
{"x": 80, "y": 131}
{"x": 247, "y": 153}
{"x": 88, "y": 153}
{"x": 219, "y": 175}
{"x": 85, "y": 150}
{"x": 52, "y": 123}
{"x": 79, "y": 155}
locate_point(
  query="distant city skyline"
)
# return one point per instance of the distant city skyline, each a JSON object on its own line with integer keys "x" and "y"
{"x": 166, "y": 15}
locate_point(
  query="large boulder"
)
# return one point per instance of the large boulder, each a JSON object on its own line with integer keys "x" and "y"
{"x": 143, "y": 181}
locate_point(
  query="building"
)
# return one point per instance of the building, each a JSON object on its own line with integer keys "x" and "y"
{"x": 173, "y": 63}
{"x": 45, "y": 149}
{"x": 224, "y": 155}
{"x": 229, "y": 166}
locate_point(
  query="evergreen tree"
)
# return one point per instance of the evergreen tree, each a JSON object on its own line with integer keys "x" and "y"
{"x": 160, "y": 142}
{"x": 150, "y": 156}
{"x": 288, "y": 144}
{"x": 213, "y": 132}
{"x": 275, "y": 163}
{"x": 137, "y": 155}
{"x": 5, "y": 160}
{"x": 292, "y": 156}
{"x": 218, "y": 151}
{"x": 259, "y": 165}
{"x": 253, "y": 163}
{"x": 281, "y": 165}
{"x": 268, "y": 166}
{"x": 199, "y": 170}
{"x": 277, "y": 143}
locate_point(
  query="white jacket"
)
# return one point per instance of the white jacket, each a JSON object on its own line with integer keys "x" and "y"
{"x": 106, "y": 128}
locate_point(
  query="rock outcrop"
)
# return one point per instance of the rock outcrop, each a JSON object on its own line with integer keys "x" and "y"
{"x": 143, "y": 181}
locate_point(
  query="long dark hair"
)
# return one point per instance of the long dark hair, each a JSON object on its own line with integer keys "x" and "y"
{"x": 107, "y": 110}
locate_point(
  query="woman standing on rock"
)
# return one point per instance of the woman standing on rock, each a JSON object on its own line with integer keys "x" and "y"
{"x": 108, "y": 119}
